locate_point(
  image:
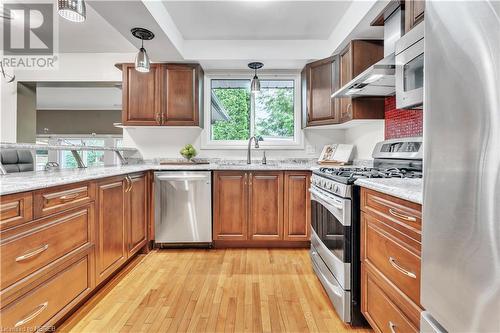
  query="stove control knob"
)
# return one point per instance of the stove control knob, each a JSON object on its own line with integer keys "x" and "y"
{"x": 336, "y": 188}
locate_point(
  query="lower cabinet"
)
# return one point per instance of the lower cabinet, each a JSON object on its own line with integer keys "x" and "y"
{"x": 136, "y": 206}
{"x": 390, "y": 256}
{"x": 111, "y": 236}
{"x": 297, "y": 206}
{"x": 261, "y": 208}
{"x": 266, "y": 205}
{"x": 121, "y": 221}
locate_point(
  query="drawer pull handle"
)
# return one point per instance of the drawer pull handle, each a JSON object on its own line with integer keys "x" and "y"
{"x": 402, "y": 216}
{"x": 69, "y": 197}
{"x": 401, "y": 269}
{"x": 392, "y": 327}
{"x": 32, "y": 253}
{"x": 39, "y": 309}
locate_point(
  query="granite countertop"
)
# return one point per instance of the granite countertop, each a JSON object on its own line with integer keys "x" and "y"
{"x": 27, "y": 181}
{"x": 405, "y": 188}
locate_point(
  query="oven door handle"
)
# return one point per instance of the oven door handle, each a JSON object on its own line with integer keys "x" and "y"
{"x": 326, "y": 200}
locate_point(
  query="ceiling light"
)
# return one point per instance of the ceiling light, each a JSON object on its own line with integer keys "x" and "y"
{"x": 72, "y": 10}
{"x": 255, "y": 86}
{"x": 142, "y": 62}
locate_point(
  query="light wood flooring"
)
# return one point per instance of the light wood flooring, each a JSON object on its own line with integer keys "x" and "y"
{"x": 233, "y": 290}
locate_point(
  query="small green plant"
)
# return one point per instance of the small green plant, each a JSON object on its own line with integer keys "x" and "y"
{"x": 188, "y": 151}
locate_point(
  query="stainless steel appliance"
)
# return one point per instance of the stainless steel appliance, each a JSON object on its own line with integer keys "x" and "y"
{"x": 461, "y": 210}
{"x": 410, "y": 69}
{"x": 379, "y": 79}
{"x": 183, "y": 209}
{"x": 335, "y": 220}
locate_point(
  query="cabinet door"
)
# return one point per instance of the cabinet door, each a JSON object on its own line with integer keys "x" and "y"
{"x": 180, "y": 86}
{"x": 297, "y": 206}
{"x": 141, "y": 96}
{"x": 230, "y": 205}
{"x": 266, "y": 205}
{"x": 110, "y": 250}
{"x": 321, "y": 80}
{"x": 414, "y": 13}
{"x": 344, "y": 77}
{"x": 137, "y": 213}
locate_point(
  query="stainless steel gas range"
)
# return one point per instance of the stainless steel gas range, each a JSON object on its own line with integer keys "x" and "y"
{"x": 335, "y": 200}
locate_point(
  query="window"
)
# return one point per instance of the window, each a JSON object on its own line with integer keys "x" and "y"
{"x": 90, "y": 157}
{"x": 234, "y": 114}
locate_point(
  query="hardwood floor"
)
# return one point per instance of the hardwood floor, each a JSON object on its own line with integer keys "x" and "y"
{"x": 231, "y": 290}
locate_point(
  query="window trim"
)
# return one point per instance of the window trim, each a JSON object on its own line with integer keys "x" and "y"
{"x": 296, "y": 143}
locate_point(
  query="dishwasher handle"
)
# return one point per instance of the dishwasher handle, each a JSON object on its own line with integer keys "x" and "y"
{"x": 183, "y": 178}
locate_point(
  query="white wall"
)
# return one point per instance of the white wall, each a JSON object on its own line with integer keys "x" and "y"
{"x": 70, "y": 67}
{"x": 166, "y": 142}
{"x": 364, "y": 138}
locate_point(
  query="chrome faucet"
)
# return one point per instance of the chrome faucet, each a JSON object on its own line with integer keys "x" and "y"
{"x": 256, "y": 139}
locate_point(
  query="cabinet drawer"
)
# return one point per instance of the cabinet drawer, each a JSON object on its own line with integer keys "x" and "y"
{"x": 25, "y": 251}
{"x": 15, "y": 209}
{"x": 382, "y": 313}
{"x": 50, "y": 300}
{"x": 56, "y": 199}
{"x": 402, "y": 215}
{"x": 391, "y": 257}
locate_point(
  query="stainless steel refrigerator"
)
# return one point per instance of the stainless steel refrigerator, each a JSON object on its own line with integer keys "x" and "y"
{"x": 461, "y": 209}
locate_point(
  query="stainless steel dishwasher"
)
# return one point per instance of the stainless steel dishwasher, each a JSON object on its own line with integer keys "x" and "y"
{"x": 183, "y": 207}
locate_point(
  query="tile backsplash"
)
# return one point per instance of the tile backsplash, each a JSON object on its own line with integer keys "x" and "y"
{"x": 401, "y": 123}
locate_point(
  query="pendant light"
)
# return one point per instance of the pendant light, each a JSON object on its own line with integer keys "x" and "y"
{"x": 142, "y": 62}
{"x": 255, "y": 86}
{"x": 72, "y": 10}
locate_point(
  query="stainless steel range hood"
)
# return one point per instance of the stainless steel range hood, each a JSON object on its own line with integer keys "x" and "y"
{"x": 379, "y": 79}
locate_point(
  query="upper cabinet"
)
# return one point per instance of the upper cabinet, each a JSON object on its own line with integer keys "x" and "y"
{"x": 320, "y": 79}
{"x": 354, "y": 59}
{"x": 168, "y": 95}
{"x": 414, "y": 13}
{"x": 141, "y": 96}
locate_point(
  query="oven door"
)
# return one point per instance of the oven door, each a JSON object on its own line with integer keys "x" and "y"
{"x": 331, "y": 233}
{"x": 410, "y": 70}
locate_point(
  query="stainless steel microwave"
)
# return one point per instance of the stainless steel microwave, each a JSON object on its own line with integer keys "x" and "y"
{"x": 410, "y": 69}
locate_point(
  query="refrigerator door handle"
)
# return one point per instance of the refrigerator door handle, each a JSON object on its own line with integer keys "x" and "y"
{"x": 394, "y": 264}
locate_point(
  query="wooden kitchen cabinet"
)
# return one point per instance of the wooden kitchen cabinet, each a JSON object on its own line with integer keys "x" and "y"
{"x": 321, "y": 79}
{"x": 168, "y": 95}
{"x": 136, "y": 206}
{"x": 141, "y": 102}
{"x": 266, "y": 205}
{"x": 181, "y": 88}
{"x": 111, "y": 226}
{"x": 414, "y": 13}
{"x": 230, "y": 210}
{"x": 297, "y": 206}
{"x": 353, "y": 60}
{"x": 390, "y": 255}
{"x": 261, "y": 208}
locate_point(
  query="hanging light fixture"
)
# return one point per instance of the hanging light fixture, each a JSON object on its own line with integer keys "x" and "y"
{"x": 72, "y": 10}
{"x": 142, "y": 62}
{"x": 255, "y": 86}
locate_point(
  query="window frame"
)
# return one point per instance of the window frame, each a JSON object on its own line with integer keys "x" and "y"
{"x": 206, "y": 137}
